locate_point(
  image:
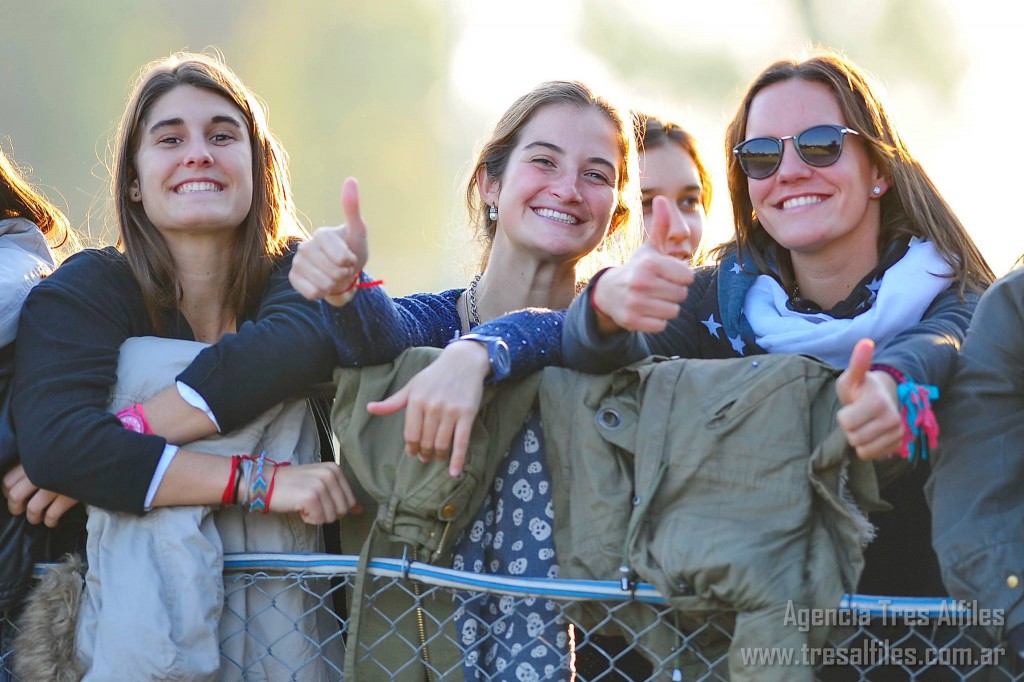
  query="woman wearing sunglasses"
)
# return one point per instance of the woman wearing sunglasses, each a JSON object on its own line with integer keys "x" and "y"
{"x": 843, "y": 249}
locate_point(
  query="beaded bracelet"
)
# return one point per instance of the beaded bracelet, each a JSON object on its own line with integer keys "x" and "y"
{"x": 920, "y": 428}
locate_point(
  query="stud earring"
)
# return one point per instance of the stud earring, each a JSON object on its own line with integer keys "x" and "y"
{"x": 876, "y": 190}
{"x": 492, "y": 213}
{"x": 136, "y": 194}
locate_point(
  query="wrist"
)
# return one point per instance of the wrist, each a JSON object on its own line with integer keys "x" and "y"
{"x": 471, "y": 356}
{"x": 134, "y": 419}
{"x": 498, "y": 356}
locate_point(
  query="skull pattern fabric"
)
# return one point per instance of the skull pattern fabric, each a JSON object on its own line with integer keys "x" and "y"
{"x": 505, "y": 637}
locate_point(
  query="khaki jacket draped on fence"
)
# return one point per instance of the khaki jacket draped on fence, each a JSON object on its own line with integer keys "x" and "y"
{"x": 724, "y": 483}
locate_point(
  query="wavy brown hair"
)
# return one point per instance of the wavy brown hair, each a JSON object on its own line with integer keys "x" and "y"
{"x": 263, "y": 234}
{"x": 19, "y": 199}
{"x": 496, "y": 151}
{"x": 912, "y": 207}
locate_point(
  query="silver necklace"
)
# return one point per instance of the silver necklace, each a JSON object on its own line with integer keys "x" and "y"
{"x": 474, "y": 314}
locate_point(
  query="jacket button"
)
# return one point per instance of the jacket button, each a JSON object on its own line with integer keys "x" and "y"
{"x": 636, "y": 500}
{"x": 448, "y": 511}
{"x": 1012, "y": 581}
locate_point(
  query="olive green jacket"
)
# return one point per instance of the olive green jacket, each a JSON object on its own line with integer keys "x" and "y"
{"x": 724, "y": 483}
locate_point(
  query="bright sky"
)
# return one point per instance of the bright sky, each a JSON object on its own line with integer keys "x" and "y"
{"x": 506, "y": 48}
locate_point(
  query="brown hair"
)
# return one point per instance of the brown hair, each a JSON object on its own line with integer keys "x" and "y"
{"x": 263, "y": 233}
{"x": 496, "y": 151}
{"x": 19, "y": 199}
{"x": 653, "y": 132}
{"x": 911, "y": 207}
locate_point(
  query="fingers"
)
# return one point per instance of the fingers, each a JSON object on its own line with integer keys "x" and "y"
{"x": 324, "y": 265}
{"x": 47, "y": 507}
{"x": 355, "y": 233}
{"x": 645, "y": 293}
{"x": 318, "y": 492}
{"x": 669, "y": 234}
{"x": 658, "y": 232}
{"x": 390, "y": 405}
{"x": 460, "y": 446}
{"x": 873, "y": 423}
{"x": 851, "y": 381}
{"x": 18, "y": 489}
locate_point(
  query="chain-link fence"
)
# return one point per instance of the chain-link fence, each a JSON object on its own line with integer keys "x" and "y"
{"x": 871, "y": 638}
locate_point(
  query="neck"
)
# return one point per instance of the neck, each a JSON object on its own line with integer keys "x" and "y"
{"x": 509, "y": 284}
{"x": 827, "y": 281}
{"x": 203, "y": 269}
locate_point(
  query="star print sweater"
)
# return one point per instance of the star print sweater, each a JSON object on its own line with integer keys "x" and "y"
{"x": 711, "y": 324}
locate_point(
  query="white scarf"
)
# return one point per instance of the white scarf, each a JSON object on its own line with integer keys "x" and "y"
{"x": 907, "y": 288}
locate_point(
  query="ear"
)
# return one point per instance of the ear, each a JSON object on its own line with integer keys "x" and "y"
{"x": 134, "y": 193}
{"x": 881, "y": 182}
{"x": 488, "y": 187}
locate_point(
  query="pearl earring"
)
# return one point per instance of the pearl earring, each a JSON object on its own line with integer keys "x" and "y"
{"x": 876, "y": 190}
{"x": 492, "y": 213}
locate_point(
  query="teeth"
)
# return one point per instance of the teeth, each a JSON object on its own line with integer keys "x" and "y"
{"x": 557, "y": 215}
{"x": 197, "y": 187}
{"x": 800, "y": 201}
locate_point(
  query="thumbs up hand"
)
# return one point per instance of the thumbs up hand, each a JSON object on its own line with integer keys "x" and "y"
{"x": 645, "y": 292}
{"x": 870, "y": 415}
{"x": 328, "y": 264}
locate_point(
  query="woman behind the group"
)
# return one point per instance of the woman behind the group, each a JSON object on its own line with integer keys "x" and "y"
{"x": 205, "y": 220}
{"x": 33, "y": 235}
{"x": 840, "y": 236}
{"x": 553, "y": 183}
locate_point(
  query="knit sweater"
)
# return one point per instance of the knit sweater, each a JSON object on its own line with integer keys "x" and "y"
{"x": 71, "y": 330}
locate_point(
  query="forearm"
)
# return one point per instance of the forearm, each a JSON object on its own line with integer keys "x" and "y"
{"x": 927, "y": 352}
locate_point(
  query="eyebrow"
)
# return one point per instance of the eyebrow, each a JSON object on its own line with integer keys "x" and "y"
{"x": 168, "y": 122}
{"x": 555, "y": 148}
{"x": 657, "y": 190}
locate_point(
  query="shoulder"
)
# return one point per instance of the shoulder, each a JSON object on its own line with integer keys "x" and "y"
{"x": 91, "y": 270}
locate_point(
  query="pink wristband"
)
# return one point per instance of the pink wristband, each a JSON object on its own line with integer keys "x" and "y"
{"x": 134, "y": 419}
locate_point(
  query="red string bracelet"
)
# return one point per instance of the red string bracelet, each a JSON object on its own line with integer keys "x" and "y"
{"x": 231, "y": 489}
{"x": 356, "y": 284}
{"x": 270, "y": 490}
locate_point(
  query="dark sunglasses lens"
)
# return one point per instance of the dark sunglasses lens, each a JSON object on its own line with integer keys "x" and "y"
{"x": 760, "y": 157}
{"x": 820, "y": 146}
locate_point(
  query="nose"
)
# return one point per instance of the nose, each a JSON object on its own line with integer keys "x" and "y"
{"x": 197, "y": 153}
{"x": 567, "y": 188}
{"x": 792, "y": 166}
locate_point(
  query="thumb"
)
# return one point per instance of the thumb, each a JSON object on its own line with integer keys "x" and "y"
{"x": 849, "y": 383}
{"x": 396, "y": 402}
{"x": 658, "y": 230}
{"x": 355, "y": 228}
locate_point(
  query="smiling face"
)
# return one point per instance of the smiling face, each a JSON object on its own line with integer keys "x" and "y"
{"x": 556, "y": 197}
{"x": 669, "y": 171}
{"x": 194, "y": 163}
{"x": 828, "y": 212}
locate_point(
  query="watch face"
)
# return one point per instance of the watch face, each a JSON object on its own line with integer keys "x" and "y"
{"x": 501, "y": 359}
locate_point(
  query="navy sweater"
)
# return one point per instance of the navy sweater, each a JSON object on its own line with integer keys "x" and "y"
{"x": 71, "y": 329}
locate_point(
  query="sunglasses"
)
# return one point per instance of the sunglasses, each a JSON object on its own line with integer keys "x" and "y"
{"x": 820, "y": 146}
